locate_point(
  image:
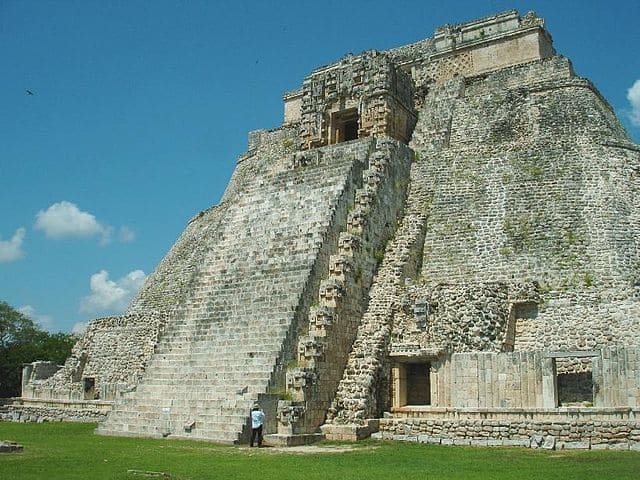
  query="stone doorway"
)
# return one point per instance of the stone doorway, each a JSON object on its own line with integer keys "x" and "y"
{"x": 418, "y": 384}
{"x": 344, "y": 126}
{"x": 89, "y": 387}
{"x": 411, "y": 384}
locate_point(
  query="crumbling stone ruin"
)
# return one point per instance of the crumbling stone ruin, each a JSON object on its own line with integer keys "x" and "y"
{"x": 10, "y": 447}
{"x": 439, "y": 244}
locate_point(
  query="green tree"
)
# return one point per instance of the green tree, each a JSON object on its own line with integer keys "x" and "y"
{"x": 22, "y": 341}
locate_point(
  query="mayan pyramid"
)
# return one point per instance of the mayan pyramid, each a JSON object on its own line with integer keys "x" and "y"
{"x": 440, "y": 243}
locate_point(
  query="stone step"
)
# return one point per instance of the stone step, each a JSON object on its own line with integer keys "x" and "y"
{"x": 178, "y": 422}
{"x": 216, "y": 407}
{"x": 211, "y": 369}
{"x": 159, "y": 431}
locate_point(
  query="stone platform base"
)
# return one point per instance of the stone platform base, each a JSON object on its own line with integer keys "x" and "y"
{"x": 280, "y": 440}
{"x": 350, "y": 432}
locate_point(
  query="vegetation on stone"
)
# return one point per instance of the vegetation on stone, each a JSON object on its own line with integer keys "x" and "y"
{"x": 22, "y": 341}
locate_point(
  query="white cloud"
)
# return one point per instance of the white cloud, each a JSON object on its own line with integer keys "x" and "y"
{"x": 11, "y": 250}
{"x": 45, "y": 321}
{"x": 126, "y": 235}
{"x": 111, "y": 296}
{"x": 66, "y": 220}
{"x": 633, "y": 95}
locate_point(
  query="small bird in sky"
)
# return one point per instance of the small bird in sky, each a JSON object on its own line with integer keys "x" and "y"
{"x": 29, "y": 92}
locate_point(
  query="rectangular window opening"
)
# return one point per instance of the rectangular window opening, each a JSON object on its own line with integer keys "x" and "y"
{"x": 575, "y": 382}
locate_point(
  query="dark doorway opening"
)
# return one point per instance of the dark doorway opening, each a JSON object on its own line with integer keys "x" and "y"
{"x": 89, "y": 386}
{"x": 418, "y": 384}
{"x": 350, "y": 130}
{"x": 344, "y": 126}
{"x": 575, "y": 388}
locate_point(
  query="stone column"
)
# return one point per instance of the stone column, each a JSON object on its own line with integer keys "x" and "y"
{"x": 399, "y": 382}
{"x": 27, "y": 370}
{"x": 549, "y": 383}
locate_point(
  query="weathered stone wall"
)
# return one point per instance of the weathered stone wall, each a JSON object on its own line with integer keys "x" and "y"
{"x": 512, "y": 399}
{"x": 457, "y": 317}
{"x": 514, "y": 197}
{"x": 529, "y": 379}
{"x": 557, "y": 429}
{"x": 52, "y": 413}
{"x": 38, "y": 370}
{"x": 114, "y": 351}
{"x": 489, "y": 380}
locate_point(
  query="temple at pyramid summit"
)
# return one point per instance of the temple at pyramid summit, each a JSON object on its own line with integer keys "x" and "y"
{"x": 439, "y": 244}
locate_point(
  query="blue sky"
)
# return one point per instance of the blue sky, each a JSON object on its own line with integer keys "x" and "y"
{"x": 141, "y": 108}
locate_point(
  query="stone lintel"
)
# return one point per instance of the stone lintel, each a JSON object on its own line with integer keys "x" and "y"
{"x": 574, "y": 353}
{"x": 423, "y": 354}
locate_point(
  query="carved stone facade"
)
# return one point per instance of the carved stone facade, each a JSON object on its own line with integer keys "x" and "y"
{"x": 361, "y": 96}
{"x": 440, "y": 243}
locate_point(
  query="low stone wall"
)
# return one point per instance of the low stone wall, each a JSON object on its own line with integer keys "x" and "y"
{"x": 541, "y": 428}
{"x": 57, "y": 413}
{"x": 113, "y": 353}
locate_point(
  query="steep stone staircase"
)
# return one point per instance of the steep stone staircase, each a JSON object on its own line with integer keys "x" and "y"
{"x": 342, "y": 296}
{"x": 225, "y": 345}
{"x": 355, "y": 400}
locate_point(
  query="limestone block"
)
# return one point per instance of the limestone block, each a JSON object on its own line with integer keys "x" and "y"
{"x": 10, "y": 447}
{"x": 537, "y": 441}
{"x": 549, "y": 442}
{"x": 575, "y": 445}
{"x": 619, "y": 446}
{"x": 348, "y": 244}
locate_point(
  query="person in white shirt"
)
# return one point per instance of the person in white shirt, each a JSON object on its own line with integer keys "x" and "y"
{"x": 257, "y": 420}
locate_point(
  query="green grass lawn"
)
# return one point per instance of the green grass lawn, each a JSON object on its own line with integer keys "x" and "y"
{"x": 73, "y": 451}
